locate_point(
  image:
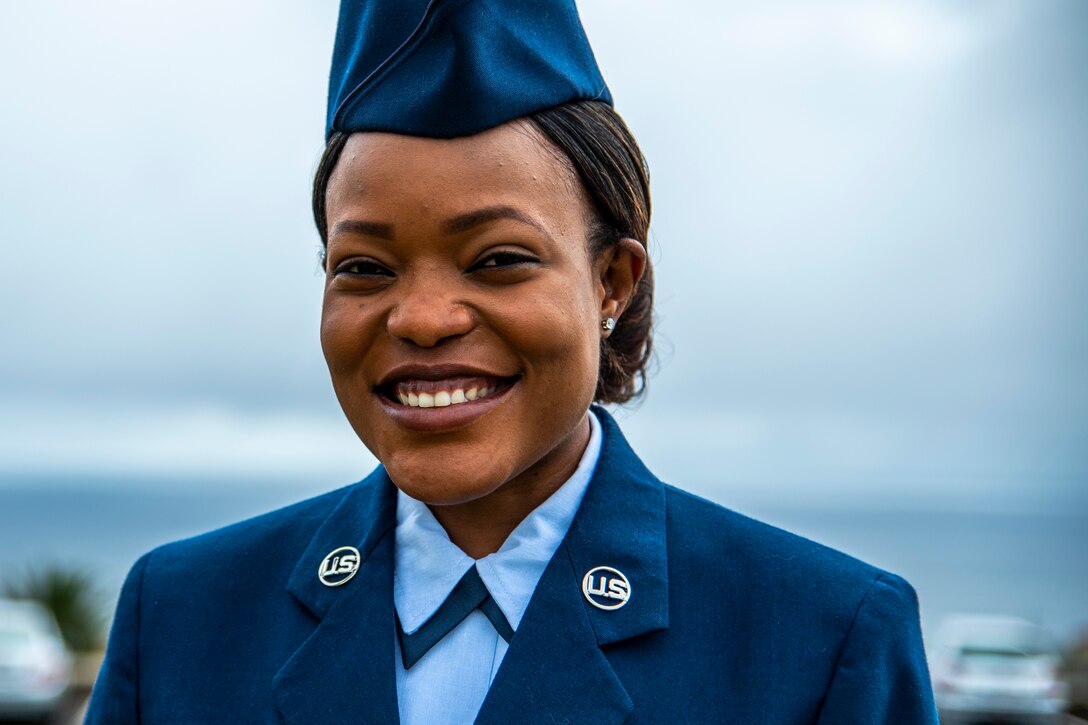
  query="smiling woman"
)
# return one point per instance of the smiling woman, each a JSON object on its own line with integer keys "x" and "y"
{"x": 465, "y": 270}
{"x": 484, "y": 212}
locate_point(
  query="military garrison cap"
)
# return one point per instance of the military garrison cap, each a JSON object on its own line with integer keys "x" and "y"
{"x": 448, "y": 68}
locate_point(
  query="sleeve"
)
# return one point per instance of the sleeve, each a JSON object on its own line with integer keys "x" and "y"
{"x": 115, "y": 697}
{"x": 881, "y": 676}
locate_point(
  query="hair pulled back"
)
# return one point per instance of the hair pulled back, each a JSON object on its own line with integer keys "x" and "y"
{"x": 600, "y": 148}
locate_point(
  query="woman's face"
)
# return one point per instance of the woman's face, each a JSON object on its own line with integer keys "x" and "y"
{"x": 462, "y": 312}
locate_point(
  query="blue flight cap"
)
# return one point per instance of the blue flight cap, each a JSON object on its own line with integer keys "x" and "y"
{"x": 447, "y": 68}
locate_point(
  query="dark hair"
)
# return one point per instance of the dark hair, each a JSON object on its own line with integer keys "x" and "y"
{"x": 607, "y": 159}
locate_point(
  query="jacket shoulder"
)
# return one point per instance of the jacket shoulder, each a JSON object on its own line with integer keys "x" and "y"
{"x": 768, "y": 559}
{"x": 830, "y": 638}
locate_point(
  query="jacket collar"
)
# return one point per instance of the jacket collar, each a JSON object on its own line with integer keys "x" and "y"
{"x": 620, "y": 524}
{"x": 347, "y": 664}
{"x": 365, "y": 515}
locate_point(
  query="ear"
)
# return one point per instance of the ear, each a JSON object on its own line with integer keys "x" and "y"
{"x": 620, "y": 268}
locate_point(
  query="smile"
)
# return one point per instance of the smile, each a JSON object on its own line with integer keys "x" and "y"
{"x": 444, "y": 392}
{"x": 445, "y": 403}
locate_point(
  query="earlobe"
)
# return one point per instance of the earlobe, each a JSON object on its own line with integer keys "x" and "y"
{"x": 625, "y": 264}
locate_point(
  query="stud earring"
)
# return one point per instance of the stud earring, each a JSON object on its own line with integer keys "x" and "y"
{"x": 609, "y": 324}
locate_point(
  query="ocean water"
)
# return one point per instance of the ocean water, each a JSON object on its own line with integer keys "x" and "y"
{"x": 1034, "y": 566}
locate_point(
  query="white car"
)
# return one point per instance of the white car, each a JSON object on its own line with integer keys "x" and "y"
{"x": 989, "y": 668}
{"x": 35, "y": 666}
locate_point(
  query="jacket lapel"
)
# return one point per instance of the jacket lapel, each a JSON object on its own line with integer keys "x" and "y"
{"x": 555, "y": 670}
{"x": 344, "y": 672}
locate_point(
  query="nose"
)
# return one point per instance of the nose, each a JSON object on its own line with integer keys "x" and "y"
{"x": 428, "y": 313}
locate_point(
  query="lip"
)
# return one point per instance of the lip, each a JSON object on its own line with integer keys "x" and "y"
{"x": 447, "y": 419}
{"x": 436, "y": 372}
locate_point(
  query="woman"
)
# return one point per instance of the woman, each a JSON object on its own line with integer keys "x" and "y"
{"x": 484, "y": 212}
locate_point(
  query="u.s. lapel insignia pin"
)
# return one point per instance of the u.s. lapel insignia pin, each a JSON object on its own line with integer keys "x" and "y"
{"x": 339, "y": 566}
{"x": 606, "y": 588}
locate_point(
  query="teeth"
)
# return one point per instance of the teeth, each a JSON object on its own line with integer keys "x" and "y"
{"x": 444, "y": 398}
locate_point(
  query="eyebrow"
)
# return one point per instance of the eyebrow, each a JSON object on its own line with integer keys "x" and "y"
{"x": 358, "y": 226}
{"x": 472, "y": 219}
{"x": 456, "y": 225}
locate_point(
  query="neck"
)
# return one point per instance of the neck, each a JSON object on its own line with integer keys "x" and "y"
{"x": 479, "y": 527}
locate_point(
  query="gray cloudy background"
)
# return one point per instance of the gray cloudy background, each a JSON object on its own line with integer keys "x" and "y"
{"x": 870, "y": 237}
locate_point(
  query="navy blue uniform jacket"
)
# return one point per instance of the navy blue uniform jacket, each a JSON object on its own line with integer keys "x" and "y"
{"x": 729, "y": 621}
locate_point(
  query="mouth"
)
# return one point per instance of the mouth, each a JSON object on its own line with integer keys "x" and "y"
{"x": 444, "y": 392}
{"x": 438, "y": 399}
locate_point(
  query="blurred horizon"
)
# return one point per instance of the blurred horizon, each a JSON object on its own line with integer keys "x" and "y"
{"x": 960, "y": 562}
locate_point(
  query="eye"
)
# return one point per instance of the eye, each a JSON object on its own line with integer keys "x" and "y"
{"x": 504, "y": 259}
{"x": 362, "y": 267}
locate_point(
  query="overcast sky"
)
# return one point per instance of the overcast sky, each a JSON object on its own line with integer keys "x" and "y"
{"x": 870, "y": 236}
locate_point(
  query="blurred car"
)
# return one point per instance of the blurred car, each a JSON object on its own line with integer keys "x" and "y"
{"x": 997, "y": 669}
{"x": 1075, "y": 672}
{"x": 35, "y": 666}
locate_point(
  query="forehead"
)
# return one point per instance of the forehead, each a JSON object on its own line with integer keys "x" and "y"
{"x": 513, "y": 164}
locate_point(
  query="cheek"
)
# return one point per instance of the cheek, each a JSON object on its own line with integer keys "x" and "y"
{"x": 346, "y": 335}
{"x": 343, "y": 336}
{"x": 332, "y": 337}
{"x": 561, "y": 335}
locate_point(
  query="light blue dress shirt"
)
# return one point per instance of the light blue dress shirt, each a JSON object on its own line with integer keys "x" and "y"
{"x": 450, "y": 682}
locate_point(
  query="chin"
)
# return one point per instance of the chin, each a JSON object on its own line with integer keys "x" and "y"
{"x": 440, "y": 486}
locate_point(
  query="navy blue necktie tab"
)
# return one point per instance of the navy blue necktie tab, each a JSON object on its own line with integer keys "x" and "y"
{"x": 469, "y": 595}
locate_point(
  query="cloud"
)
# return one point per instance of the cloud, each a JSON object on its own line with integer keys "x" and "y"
{"x": 198, "y": 442}
{"x": 868, "y": 237}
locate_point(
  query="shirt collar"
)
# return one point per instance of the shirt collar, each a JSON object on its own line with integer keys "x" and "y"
{"x": 428, "y": 565}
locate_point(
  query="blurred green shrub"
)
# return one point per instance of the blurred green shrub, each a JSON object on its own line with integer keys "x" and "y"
{"x": 73, "y": 597}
